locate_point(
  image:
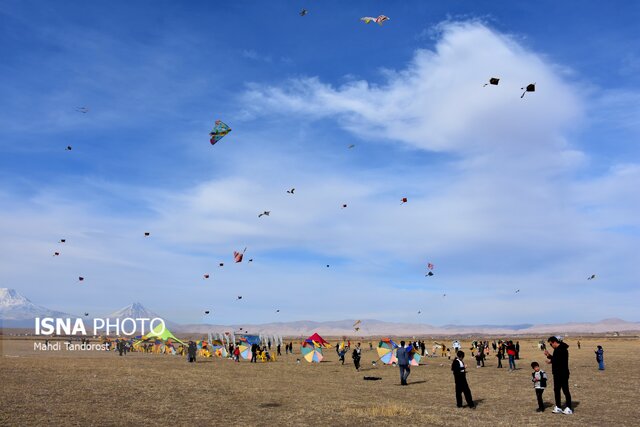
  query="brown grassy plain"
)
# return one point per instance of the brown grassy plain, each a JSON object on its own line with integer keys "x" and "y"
{"x": 99, "y": 388}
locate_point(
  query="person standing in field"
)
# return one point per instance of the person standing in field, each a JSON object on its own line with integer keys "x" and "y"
{"x": 279, "y": 353}
{"x": 539, "y": 379}
{"x": 578, "y": 344}
{"x": 500, "y": 356}
{"x": 560, "y": 369}
{"x": 600, "y": 358}
{"x": 511, "y": 352}
{"x": 517, "y": 350}
{"x": 459, "y": 370}
{"x": 357, "y": 354}
{"x": 403, "y": 363}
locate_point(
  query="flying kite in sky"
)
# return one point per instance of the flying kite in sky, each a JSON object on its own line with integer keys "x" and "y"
{"x": 83, "y": 110}
{"x": 304, "y": 12}
{"x": 265, "y": 213}
{"x": 237, "y": 256}
{"x": 219, "y": 131}
{"x": 240, "y": 297}
{"x": 221, "y": 264}
{"x": 56, "y": 253}
{"x": 352, "y": 146}
{"x": 593, "y": 276}
{"x": 291, "y": 191}
{"x": 419, "y": 312}
{"x": 68, "y": 148}
{"x": 379, "y": 20}
{"x": 492, "y": 81}
{"x": 86, "y": 314}
{"x": 80, "y": 278}
{"x": 277, "y": 311}
{"x": 250, "y": 260}
{"x": 403, "y": 200}
{"x": 518, "y": 291}
{"x": 206, "y": 276}
{"x": 530, "y": 88}
{"x": 147, "y": 234}
{"x": 344, "y": 205}
{"x": 206, "y": 312}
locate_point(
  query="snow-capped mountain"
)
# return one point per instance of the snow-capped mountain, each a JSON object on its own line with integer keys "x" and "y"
{"x": 137, "y": 311}
{"x": 17, "y": 311}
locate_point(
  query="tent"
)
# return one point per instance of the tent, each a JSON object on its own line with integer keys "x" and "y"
{"x": 166, "y": 335}
{"x": 318, "y": 340}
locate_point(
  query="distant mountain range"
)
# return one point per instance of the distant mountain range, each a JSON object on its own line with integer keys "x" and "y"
{"x": 16, "y": 311}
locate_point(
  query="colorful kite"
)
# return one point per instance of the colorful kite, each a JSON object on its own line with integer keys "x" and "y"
{"x": 237, "y": 256}
{"x": 379, "y": 20}
{"x": 219, "y": 131}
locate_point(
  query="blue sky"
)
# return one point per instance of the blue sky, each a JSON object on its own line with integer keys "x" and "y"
{"x": 504, "y": 193}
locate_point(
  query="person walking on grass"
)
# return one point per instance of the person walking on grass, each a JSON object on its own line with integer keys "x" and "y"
{"x": 539, "y": 379}
{"x": 403, "y": 363}
{"x": 459, "y": 370}
{"x": 356, "y": 355}
{"x": 600, "y": 358}
{"x": 560, "y": 369}
{"x": 500, "y": 356}
{"x": 511, "y": 352}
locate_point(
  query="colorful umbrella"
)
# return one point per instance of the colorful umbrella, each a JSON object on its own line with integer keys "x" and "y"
{"x": 385, "y": 351}
{"x": 311, "y": 352}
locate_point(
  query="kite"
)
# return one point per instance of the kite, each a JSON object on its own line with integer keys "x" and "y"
{"x": 206, "y": 276}
{"x": 419, "y": 312}
{"x": 357, "y": 323}
{"x": 83, "y": 110}
{"x": 327, "y": 265}
{"x": 492, "y": 81}
{"x": 352, "y": 146}
{"x": 219, "y": 131}
{"x": 80, "y": 278}
{"x": 221, "y": 264}
{"x": 265, "y": 213}
{"x": 86, "y": 314}
{"x": 518, "y": 291}
{"x": 403, "y": 200}
{"x": 147, "y": 234}
{"x": 206, "y": 312}
{"x": 593, "y": 276}
{"x": 530, "y": 88}
{"x": 240, "y": 297}
{"x": 68, "y": 148}
{"x": 56, "y": 253}
{"x": 344, "y": 206}
{"x": 444, "y": 295}
{"x": 277, "y": 311}
{"x": 237, "y": 256}
{"x": 63, "y": 240}
{"x": 250, "y": 260}
{"x": 303, "y": 12}
{"x": 291, "y": 191}
{"x": 379, "y": 20}
{"x": 430, "y": 272}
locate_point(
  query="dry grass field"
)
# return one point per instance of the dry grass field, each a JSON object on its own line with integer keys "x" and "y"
{"x": 99, "y": 388}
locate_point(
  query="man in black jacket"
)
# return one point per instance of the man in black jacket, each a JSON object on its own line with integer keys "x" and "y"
{"x": 459, "y": 370}
{"x": 560, "y": 369}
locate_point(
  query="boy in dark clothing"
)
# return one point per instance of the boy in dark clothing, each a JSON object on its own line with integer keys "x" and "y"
{"x": 500, "y": 356}
{"x": 357, "y": 353}
{"x": 460, "y": 376}
{"x": 560, "y": 369}
{"x": 539, "y": 379}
